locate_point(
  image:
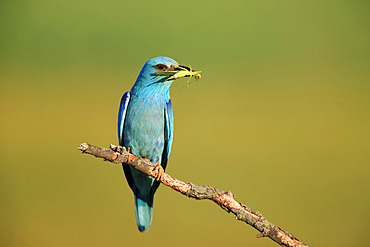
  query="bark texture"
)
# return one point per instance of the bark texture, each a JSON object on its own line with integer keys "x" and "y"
{"x": 225, "y": 199}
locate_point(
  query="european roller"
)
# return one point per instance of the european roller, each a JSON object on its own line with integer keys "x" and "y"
{"x": 145, "y": 128}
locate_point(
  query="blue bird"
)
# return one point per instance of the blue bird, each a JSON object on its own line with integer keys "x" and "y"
{"x": 145, "y": 127}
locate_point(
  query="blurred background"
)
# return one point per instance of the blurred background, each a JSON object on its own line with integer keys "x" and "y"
{"x": 280, "y": 117}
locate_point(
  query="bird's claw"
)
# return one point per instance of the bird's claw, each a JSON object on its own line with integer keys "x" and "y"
{"x": 160, "y": 171}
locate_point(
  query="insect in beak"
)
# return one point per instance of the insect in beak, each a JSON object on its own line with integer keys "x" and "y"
{"x": 180, "y": 71}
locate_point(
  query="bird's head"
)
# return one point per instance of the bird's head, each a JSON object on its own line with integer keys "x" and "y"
{"x": 160, "y": 72}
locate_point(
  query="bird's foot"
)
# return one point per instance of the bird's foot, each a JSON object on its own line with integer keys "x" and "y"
{"x": 160, "y": 171}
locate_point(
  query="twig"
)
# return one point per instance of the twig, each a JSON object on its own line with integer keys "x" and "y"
{"x": 225, "y": 199}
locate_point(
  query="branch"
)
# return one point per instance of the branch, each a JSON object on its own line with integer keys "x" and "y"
{"x": 226, "y": 200}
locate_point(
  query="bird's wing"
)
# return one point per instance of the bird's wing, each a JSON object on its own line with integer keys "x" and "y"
{"x": 121, "y": 116}
{"x": 168, "y": 137}
{"x": 121, "y": 124}
{"x": 168, "y": 133}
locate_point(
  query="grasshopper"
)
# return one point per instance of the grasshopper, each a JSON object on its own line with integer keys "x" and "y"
{"x": 179, "y": 74}
{"x": 184, "y": 72}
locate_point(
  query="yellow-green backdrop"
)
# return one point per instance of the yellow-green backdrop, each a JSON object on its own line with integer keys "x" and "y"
{"x": 280, "y": 117}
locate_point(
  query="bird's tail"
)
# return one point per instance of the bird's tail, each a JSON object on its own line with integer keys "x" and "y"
{"x": 144, "y": 211}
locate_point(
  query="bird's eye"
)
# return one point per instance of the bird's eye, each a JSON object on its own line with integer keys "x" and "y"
{"x": 160, "y": 67}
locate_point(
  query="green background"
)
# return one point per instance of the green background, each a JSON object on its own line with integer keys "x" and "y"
{"x": 280, "y": 117}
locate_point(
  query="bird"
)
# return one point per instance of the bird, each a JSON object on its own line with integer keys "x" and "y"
{"x": 145, "y": 128}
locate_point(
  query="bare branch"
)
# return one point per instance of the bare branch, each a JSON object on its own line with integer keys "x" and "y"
{"x": 225, "y": 199}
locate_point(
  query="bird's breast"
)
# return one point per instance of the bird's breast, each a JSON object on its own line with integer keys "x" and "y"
{"x": 144, "y": 130}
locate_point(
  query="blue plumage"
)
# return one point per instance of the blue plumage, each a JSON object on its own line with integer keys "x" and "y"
{"x": 145, "y": 125}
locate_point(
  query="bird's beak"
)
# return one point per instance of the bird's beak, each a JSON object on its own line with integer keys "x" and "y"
{"x": 179, "y": 71}
{"x": 184, "y": 71}
{"x": 182, "y": 67}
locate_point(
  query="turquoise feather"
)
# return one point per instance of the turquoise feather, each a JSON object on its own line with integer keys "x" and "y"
{"x": 145, "y": 125}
